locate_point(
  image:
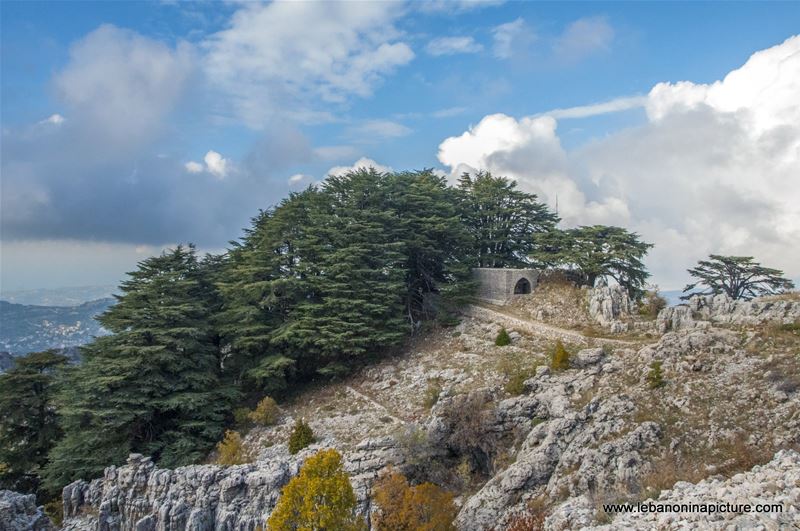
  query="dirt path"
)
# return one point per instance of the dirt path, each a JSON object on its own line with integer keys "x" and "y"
{"x": 539, "y": 328}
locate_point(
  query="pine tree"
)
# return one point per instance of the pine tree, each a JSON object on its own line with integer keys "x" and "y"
{"x": 28, "y": 421}
{"x": 152, "y": 386}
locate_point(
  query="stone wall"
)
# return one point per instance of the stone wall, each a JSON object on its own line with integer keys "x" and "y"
{"x": 496, "y": 285}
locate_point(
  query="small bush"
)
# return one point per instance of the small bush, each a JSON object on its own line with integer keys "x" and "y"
{"x": 432, "y": 393}
{"x": 560, "y": 359}
{"x": 515, "y": 385}
{"x": 266, "y": 412}
{"x": 241, "y": 415}
{"x": 301, "y": 436}
{"x": 231, "y": 451}
{"x": 403, "y": 507}
{"x": 54, "y": 509}
{"x": 655, "y": 378}
{"x": 503, "y": 338}
{"x": 651, "y": 303}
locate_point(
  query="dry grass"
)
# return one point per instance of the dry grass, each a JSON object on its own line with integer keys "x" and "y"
{"x": 788, "y": 296}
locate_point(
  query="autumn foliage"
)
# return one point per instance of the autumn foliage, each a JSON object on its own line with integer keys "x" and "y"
{"x": 402, "y": 507}
{"x": 319, "y": 497}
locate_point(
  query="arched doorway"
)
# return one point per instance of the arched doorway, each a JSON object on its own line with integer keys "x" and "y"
{"x": 523, "y": 287}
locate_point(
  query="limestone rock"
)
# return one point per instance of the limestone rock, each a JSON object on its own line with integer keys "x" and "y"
{"x": 142, "y": 497}
{"x": 609, "y": 306}
{"x": 18, "y": 512}
{"x": 758, "y": 486}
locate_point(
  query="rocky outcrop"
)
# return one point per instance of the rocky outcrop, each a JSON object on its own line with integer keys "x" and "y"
{"x": 142, "y": 497}
{"x": 777, "y": 482}
{"x": 567, "y": 451}
{"x": 18, "y": 512}
{"x": 702, "y": 311}
{"x": 610, "y": 306}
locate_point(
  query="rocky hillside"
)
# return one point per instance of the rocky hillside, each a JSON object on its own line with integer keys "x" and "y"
{"x": 702, "y": 403}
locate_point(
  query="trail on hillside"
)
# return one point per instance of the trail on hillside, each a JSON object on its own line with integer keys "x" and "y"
{"x": 539, "y": 328}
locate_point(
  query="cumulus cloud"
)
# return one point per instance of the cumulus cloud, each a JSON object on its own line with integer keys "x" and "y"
{"x": 363, "y": 162}
{"x": 713, "y": 169}
{"x": 282, "y": 58}
{"x": 103, "y": 174}
{"x": 584, "y": 37}
{"x": 453, "y": 46}
{"x": 120, "y": 85}
{"x": 194, "y": 167}
{"x": 213, "y": 163}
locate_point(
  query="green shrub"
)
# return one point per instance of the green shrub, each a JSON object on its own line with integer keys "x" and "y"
{"x": 300, "y": 437}
{"x": 54, "y": 509}
{"x": 503, "y": 338}
{"x": 655, "y": 378}
{"x": 560, "y": 359}
{"x": 515, "y": 385}
{"x": 432, "y": 393}
{"x": 241, "y": 415}
{"x": 266, "y": 412}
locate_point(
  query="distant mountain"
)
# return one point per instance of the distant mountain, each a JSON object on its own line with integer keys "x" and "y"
{"x": 72, "y": 296}
{"x": 28, "y": 328}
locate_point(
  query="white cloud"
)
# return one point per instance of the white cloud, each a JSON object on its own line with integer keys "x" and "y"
{"x": 299, "y": 180}
{"x": 453, "y": 46}
{"x": 584, "y": 37}
{"x": 507, "y": 36}
{"x": 374, "y": 130}
{"x": 122, "y": 84}
{"x": 55, "y": 119}
{"x": 363, "y": 162}
{"x": 285, "y": 58}
{"x": 216, "y": 164}
{"x": 455, "y": 6}
{"x": 595, "y": 109}
{"x": 194, "y": 167}
{"x": 714, "y": 168}
{"x": 213, "y": 163}
{"x": 449, "y": 112}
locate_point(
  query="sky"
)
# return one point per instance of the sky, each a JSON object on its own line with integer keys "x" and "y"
{"x": 129, "y": 127}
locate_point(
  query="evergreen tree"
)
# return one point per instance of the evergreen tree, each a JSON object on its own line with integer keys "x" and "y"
{"x": 265, "y": 277}
{"x": 598, "y": 251}
{"x": 436, "y": 244}
{"x": 355, "y": 273}
{"x": 28, "y": 421}
{"x": 504, "y": 222}
{"x": 739, "y": 277}
{"x": 152, "y": 386}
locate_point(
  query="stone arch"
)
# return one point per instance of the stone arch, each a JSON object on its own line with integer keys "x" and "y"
{"x": 522, "y": 287}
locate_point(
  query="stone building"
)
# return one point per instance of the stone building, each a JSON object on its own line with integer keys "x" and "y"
{"x": 498, "y": 285}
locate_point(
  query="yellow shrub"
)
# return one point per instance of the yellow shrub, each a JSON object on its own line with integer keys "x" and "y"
{"x": 266, "y": 412}
{"x": 319, "y": 497}
{"x": 560, "y": 360}
{"x": 402, "y": 507}
{"x": 231, "y": 451}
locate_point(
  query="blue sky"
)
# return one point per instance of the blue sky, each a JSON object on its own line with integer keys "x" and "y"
{"x": 129, "y": 126}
